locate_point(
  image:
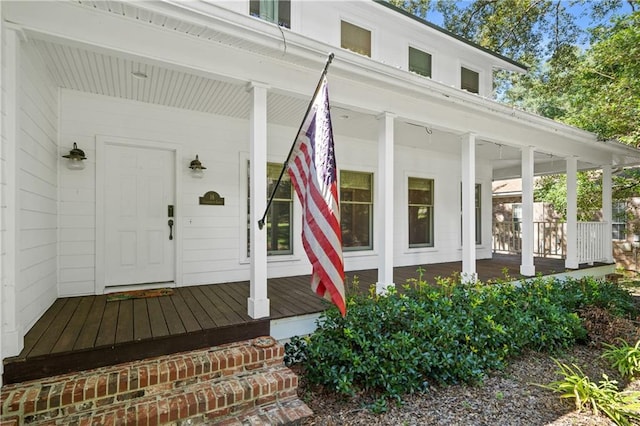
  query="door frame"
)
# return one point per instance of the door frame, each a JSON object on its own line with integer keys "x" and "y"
{"x": 102, "y": 141}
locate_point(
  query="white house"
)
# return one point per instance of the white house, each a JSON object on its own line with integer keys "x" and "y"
{"x": 145, "y": 88}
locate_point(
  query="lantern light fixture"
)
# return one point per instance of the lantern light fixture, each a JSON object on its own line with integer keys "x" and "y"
{"x": 197, "y": 169}
{"x": 75, "y": 157}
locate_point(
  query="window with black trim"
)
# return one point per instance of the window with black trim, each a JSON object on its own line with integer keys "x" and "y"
{"x": 419, "y": 62}
{"x": 276, "y": 11}
{"x": 469, "y": 80}
{"x": 356, "y": 210}
{"x": 420, "y": 212}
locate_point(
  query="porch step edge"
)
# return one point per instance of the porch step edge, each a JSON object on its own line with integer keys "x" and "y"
{"x": 33, "y": 397}
{"x": 286, "y": 412}
{"x": 216, "y": 399}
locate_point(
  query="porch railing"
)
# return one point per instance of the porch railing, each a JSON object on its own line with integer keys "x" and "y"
{"x": 592, "y": 242}
{"x": 549, "y": 238}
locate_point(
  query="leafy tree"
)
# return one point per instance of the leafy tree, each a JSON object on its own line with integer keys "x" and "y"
{"x": 605, "y": 88}
{"x": 552, "y": 189}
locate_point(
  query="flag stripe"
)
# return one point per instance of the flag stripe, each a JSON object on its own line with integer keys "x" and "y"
{"x": 314, "y": 177}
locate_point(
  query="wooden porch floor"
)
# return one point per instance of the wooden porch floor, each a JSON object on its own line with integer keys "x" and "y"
{"x": 78, "y": 333}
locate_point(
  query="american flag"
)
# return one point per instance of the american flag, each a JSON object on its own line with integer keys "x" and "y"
{"x": 312, "y": 168}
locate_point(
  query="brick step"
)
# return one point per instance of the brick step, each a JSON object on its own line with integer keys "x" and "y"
{"x": 206, "y": 402}
{"x": 202, "y": 385}
{"x": 285, "y": 412}
{"x": 125, "y": 381}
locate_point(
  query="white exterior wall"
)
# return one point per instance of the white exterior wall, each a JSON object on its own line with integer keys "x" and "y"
{"x": 29, "y": 274}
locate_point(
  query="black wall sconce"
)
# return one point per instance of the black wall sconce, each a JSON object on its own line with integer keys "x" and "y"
{"x": 197, "y": 169}
{"x": 75, "y": 157}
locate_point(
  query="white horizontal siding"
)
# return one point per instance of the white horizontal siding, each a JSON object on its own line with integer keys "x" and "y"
{"x": 37, "y": 189}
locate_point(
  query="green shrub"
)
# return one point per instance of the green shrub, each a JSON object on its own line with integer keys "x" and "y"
{"x": 621, "y": 407}
{"x": 396, "y": 344}
{"x": 295, "y": 351}
{"x": 578, "y": 293}
{"x": 625, "y": 358}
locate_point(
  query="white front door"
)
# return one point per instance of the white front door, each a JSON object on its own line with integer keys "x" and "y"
{"x": 139, "y": 243}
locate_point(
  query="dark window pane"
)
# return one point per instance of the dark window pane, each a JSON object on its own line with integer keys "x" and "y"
{"x": 469, "y": 80}
{"x": 276, "y": 11}
{"x": 419, "y": 62}
{"x": 355, "y": 222}
{"x": 420, "y": 226}
{"x": 279, "y": 228}
{"x": 420, "y": 212}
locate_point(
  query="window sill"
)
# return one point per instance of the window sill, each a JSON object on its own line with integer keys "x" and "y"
{"x": 274, "y": 259}
{"x": 359, "y": 253}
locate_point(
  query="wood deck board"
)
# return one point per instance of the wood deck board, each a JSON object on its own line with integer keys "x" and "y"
{"x": 288, "y": 297}
{"x": 141, "y": 320}
{"x": 109, "y": 321}
{"x": 157, "y": 321}
{"x": 50, "y": 338}
{"x": 189, "y": 321}
{"x": 124, "y": 329}
{"x": 212, "y": 308}
{"x": 199, "y": 313}
{"x": 174, "y": 323}
{"x": 236, "y": 300}
{"x": 40, "y": 327}
{"x": 71, "y": 332}
{"x": 213, "y": 293}
{"x": 89, "y": 330}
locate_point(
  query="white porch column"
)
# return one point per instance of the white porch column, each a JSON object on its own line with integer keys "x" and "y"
{"x": 571, "y": 262}
{"x": 386, "y": 201}
{"x": 527, "y": 267}
{"x": 468, "y": 164}
{"x": 607, "y": 215}
{"x": 258, "y": 304}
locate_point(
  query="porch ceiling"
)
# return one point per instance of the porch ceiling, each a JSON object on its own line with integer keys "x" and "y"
{"x": 101, "y": 73}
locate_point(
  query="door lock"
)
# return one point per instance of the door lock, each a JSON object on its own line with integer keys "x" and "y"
{"x": 170, "y": 210}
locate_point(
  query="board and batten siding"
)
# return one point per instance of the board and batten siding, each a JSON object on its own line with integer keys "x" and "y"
{"x": 36, "y": 197}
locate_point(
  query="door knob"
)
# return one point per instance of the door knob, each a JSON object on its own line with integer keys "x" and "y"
{"x": 170, "y": 229}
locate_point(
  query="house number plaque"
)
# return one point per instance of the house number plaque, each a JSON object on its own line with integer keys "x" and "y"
{"x": 211, "y": 198}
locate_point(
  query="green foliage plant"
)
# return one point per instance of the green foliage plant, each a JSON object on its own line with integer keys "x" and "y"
{"x": 625, "y": 358}
{"x": 603, "y": 397}
{"x": 295, "y": 351}
{"x": 398, "y": 343}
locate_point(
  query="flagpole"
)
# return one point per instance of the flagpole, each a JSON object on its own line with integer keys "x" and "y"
{"x": 286, "y": 162}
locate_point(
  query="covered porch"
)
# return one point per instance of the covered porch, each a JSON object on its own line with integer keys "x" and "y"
{"x": 78, "y": 333}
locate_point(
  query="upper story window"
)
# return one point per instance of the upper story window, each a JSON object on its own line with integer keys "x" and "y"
{"x": 355, "y": 38}
{"x": 356, "y": 210}
{"x": 419, "y": 62}
{"x": 276, "y": 11}
{"x": 469, "y": 80}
